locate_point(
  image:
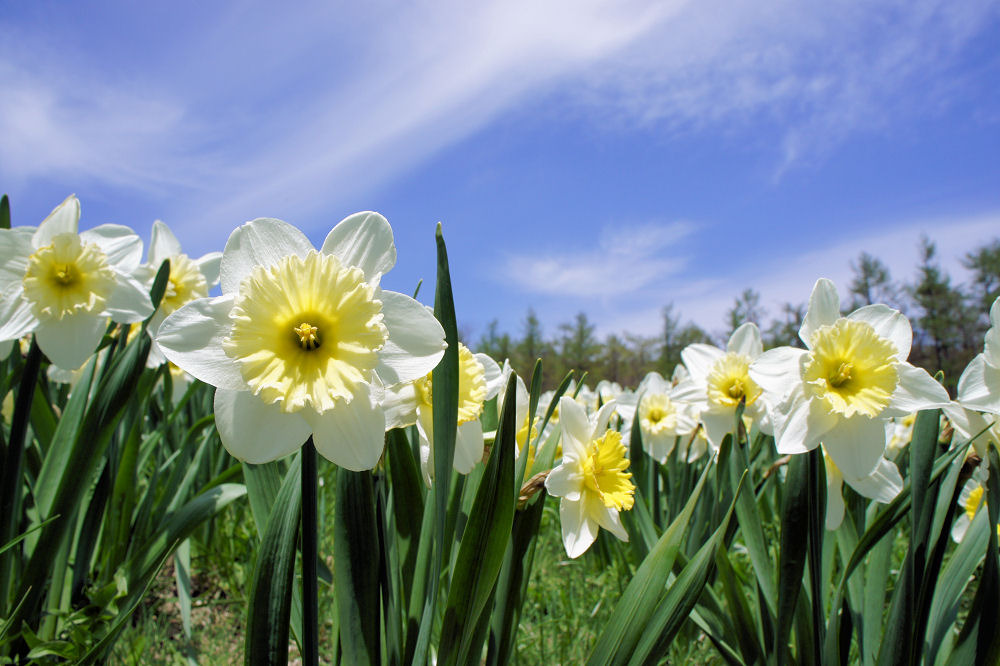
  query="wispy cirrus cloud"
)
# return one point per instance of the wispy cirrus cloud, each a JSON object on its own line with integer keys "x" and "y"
{"x": 623, "y": 260}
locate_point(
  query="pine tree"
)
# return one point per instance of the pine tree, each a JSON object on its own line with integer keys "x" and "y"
{"x": 872, "y": 283}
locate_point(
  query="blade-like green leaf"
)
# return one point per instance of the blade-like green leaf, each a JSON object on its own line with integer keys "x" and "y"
{"x": 274, "y": 577}
{"x": 356, "y": 557}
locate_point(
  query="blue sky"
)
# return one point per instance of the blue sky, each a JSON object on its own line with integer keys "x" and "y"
{"x": 606, "y": 157}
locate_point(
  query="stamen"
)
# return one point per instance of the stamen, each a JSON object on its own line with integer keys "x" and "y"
{"x": 64, "y": 274}
{"x": 842, "y": 376}
{"x": 736, "y": 390}
{"x": 308, "y": 336}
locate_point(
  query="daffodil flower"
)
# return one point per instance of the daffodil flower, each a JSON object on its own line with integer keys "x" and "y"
{"x": 406, "y": 404}
{"x": 302, "y": 342}
{"x": 189, "y": 278}
{"x": 63, "y": 285}
{"x": 526, "y": 432}
{"x": 979, "y": 385}
{"x": 662, "y": 419}
{"x": 719, "y": 381}
{"x": 882, "y": 485}
{"x": 591, "y": 480}
{"x": 843, "y": 388}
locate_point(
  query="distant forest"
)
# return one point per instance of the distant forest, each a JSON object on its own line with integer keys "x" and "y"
{"x": 948, "y": 321}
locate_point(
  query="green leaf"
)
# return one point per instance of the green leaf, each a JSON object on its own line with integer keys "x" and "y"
{"x": 4, "y": 212}
{"x": 484, "y": 543}
{"x": 629, "y": 620}
{"x": 274, "y": 576}
{"x": 356, "y": 557}
{"x": 675, "y": 607}
{"x": 793, "y": 549}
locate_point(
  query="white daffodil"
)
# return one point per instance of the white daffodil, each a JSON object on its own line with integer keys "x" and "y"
{"x": 719, "y": 380}
{"x": 189, "y": 279}
{"x": 841, "y": 390}
{"x": 971, "y": 499}
{"x": 899, "y": 432}
{"x": 412, "y": 402}
{"x": 63, "y": 285}
{"x": 882, "y": 485}
{"x": 661, "y": 418}
{"x": 979, "y": 385}
{"x": 303, "y": 342}
{"x": 591, "y": 480}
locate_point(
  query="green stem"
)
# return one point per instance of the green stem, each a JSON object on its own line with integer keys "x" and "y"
{"x": 817, "y": 527}
{"x": 10, "y": 483}
{"x": 310, "y": 604}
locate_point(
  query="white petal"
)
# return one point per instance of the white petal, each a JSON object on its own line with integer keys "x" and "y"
{"x": 799, "y": 423}
{"x": 916, "y": 390}
{"x": 254, "y": 431}
{"x": 653, "y": 382}
{"x": 979, "y": 386}
{"x": 210, "y": 265}
{"x": 699, "y": 359}
{"x": 659, "y": 445}
{"x": 888, "y": 323}
{"x": 363, "y": 240}
{"x": 468, "y": 446}
{"x": 15, "y": 248}
{"x": 991, "y": 345}
{"x": 777, "y": 371}
{"x": 824, "y": 309}
{"x": 163, "y": 244}
{"x": 576, "y": 428}
{"x": 564, "y": 481}
{"x": 493, "y": 375}
{"x": 64, "y": 218}
{"x": 122, "y": 246}
{"x": 400, "y": 405}
{"x": 70, "y": 341}
{"x": 688, "y": 391}
{"x": 607, "y": 518}
{"x": 834, "y": 496}
{"x": 129, "y": 302}
{"x": 578, "y": 532}
{"x": 416, "y": 340}
{"x": 352, "y": 435}
{"x": 191, "y": 338}
{"x": 718, "y": 423}
{"x": 960, "y": 527}
{"x": 5, "y": 347}
{"x": 16, "y": 318}
{"x": 746, "y": 340}
{"x": 602, "y": 418}
{"x": 856, "y": 445}
{"x": 882, "y": 485}
{"x": 260, "y": 242}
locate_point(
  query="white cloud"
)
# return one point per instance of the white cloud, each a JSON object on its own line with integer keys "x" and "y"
{"x": 622, "y": 261}
{"x": 789, "y": 279}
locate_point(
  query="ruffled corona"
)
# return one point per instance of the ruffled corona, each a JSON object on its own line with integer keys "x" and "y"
{"x": 306, "y": 331}
{"x": 66, "y": 277}
{"x": 603, "y": 471}
{"x": 471, "y": 386}
{"x": 658, "y": 414}
{"x": 851, "y": 368}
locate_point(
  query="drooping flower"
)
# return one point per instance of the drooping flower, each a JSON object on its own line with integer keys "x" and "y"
{"x": 842, "y": 389}
{"x": 303, "y": 342}
{"x": 591, "y": 480}
{"x": 662, "y": 419}
{"x": 719, "y": 381}
{"x": 979, "y": 385}
{"x": 971, "y": 499}
{"x": 63, "y": 285}
{"x": 406, "y": 404}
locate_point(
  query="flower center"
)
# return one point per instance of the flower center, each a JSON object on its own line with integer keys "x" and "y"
{"x": 186, "y": 283}
{"x": 657, "y": 413}
{"x": 729, "y": 381}
{"x": 308, "y": 336}
{"x": 278, "y": 316}
{"x": 66, "y": 277}
{"x": 851, "y": 368}
{"x": 471, "y": 386}
{"x": 604, "y": 471}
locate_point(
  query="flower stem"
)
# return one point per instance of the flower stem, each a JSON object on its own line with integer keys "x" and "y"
{"x": 310, "y": 605}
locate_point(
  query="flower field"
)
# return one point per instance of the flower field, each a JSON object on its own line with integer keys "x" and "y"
{"x": 263, "y": 439}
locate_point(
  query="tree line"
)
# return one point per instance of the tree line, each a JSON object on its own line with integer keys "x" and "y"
{"x": 949, "y": 319}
